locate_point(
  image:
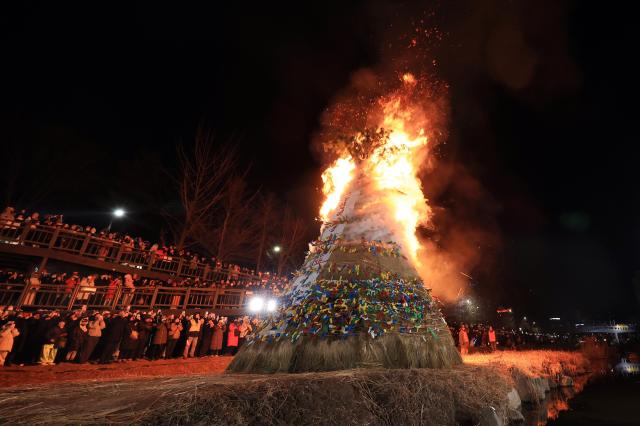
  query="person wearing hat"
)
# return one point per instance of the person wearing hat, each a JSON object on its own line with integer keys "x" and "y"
{"x": 144, "y": 329}
{"x": 7, "y": 334}
{"x": 463, "y": 340}
{"x": 78, "y": 339}
{"x": 174, "y": 328}
{"x": 55, "y": 339}
{"x": 159, "y": 340}
{"x": 94, "y": 331}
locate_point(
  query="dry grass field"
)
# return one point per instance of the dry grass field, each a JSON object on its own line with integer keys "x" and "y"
{"x": 350, "y": 397}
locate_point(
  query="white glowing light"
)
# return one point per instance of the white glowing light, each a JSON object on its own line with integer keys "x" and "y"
{"x": 256, "y": 304}
{"x": 271, "y": 305}
{"x": 277, "y": 249}
{"x": 119, "y": 212}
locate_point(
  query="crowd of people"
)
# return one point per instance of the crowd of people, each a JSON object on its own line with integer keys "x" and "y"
{"x": 152, "y": 252}
{"x": 482, "y": 337}
{"x": 52, "y": 337}
{"x": 132, "y": 281}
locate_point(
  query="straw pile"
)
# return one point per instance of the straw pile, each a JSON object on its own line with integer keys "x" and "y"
{"x": 371, "y": 396}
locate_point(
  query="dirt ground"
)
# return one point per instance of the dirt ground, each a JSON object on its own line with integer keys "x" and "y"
{"x": 196, "y": 391}
{"x": 62, "y": 373}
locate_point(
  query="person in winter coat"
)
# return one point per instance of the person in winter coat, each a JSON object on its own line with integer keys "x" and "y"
{"x": 113, "y": 334}
{"x": 55, "y": 339}
{"x": 94, "y": 332}
{"x": 129, "y": 344}
{"x": 492, "y": 338}
{"x": 245, "y": 329}
{"x": 7, "y": 334}
{"x": 204, "y": 343}
{"x": 159, "y": 340}
{"x": 144, "y": 333}
{"x": 463, "y": 340}
{"x": 174, "y": 328}
{"x": 78, "y": 339}
{"x": 218, "y": 336}
{"x": 232, "y": 337}
{"x": 195, "y": 323}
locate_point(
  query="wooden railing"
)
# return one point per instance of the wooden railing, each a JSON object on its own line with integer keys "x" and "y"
{"x": 47, "y": 239}
{"x": 61, "y": 297}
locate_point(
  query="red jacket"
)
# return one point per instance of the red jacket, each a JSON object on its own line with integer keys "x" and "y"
{"x": 232, "y": 339}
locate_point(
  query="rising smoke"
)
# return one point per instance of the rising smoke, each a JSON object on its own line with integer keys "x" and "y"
{"x": 452, "y": 245}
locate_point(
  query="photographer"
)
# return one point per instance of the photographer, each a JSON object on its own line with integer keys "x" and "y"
{"x": 174, "y": 328}
{"x": 7, "y": 334}
{"x": 159, "y": 340}
{"x": 195, "y": 323}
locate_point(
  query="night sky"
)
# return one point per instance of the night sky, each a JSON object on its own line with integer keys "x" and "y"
{"x": 540, "y": 153}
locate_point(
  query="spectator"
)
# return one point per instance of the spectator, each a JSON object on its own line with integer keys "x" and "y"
{"x": 245, "y": 329}
{"x": 159, "y": 341}
{"x": 232, "y": 337}
{"x": 78, "y": 339}
{"x": 94, "y": 332}
{"x": 492, "y": 339}
{"x": 114, "y": 332}
{"x": 7, "y": 333}
{"x": 55, "y": 339}
{"x": 195, "y": 322}
{"x": 218, "y": 336}
{"x": 144, "y": 328}
{"x": 463, "y": 340}
{"x": 175, "y": 328}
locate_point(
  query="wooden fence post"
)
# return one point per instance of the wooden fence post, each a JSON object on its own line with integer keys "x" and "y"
{"x": 153, "y": 298}
{"x": 116, "y": 297}
{"x": 23, "y": 295}
{"x": 214, "y": 298}
{"x": 74, "y": 295}
{"x": 186, "y": 299}
{"x": 84, "y": 246}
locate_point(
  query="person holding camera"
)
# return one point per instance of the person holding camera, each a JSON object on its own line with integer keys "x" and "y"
{"x": 55, "y": 339}
{"x": 174, "y": 329}
{"x": 7, "y": 334}
{"x": 159, "y": 340}
{"x": 195, "y": 323}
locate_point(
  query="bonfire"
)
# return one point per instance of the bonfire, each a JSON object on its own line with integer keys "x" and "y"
{"x": 358, "y": 300}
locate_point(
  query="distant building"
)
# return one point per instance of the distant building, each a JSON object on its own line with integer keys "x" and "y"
{"x": 505, "y": 318}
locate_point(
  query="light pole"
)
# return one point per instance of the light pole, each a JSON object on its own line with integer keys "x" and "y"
{"x": 116, "y": 214}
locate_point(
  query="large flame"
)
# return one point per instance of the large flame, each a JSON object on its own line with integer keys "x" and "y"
{"x": 335, "y": 180}
{"x": 392, "y": 167}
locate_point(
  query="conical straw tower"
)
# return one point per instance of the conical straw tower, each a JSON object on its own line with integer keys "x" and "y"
{"x": 357, "y": 301}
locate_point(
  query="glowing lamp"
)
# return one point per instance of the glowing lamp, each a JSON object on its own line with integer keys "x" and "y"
{"x": 256, "y": 304}
{"x": 271, "y": 305}
{"x": 118, "y": 212}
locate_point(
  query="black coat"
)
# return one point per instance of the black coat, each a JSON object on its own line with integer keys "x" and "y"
{"x": 115, "y": 330}
{"x": 56, "y": 335}
{"x": 77, "y": 339}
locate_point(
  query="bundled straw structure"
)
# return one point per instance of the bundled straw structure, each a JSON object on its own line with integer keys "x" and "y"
{"x": 354, "y": 303}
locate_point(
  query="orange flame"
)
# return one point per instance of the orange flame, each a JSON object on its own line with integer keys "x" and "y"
{"x": 335, "y": 180}
{"x": 392, "y": 168}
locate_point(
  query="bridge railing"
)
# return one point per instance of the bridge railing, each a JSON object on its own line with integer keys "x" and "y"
{"x": 35, "y": 296}
{"x": 111, "y": 251}
{"x": 11, "y": 294}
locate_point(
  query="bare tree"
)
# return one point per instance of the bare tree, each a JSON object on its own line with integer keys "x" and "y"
{"x": 231, "y": 234}
{"x": 203, "y": 181}
{"x": 267, "y": 225}
{"x": 293, "y": 240}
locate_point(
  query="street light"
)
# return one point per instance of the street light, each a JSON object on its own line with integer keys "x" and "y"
{"x": 117, "y": 214}
{"x": 259, "y": 305}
